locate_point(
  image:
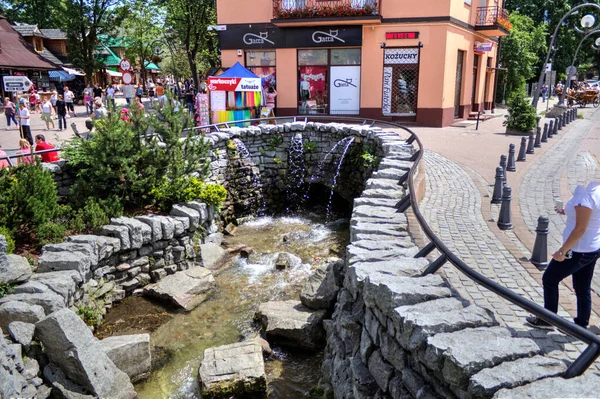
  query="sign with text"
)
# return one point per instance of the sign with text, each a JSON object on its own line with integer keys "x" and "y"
{"x": 273, "y": 37}
{"x": 401, "y": 56}
{"x": 16, "y": 83}
{"x": 401, "y": 35}
{"x": 482, "y": 47}
{"x": 386, "y": 100}
{"x": 344, "y": 90}
{"x": 257, "y": 38}
{"x": 218, "y": 100}
{"x": 216, "y": 83}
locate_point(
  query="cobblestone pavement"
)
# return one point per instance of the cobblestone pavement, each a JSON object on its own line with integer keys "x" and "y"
{"x": 453, "y": 209}
{"x": 560, "y": 169}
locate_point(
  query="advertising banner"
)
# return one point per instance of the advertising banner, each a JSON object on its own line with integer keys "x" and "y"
{"x": 16, "y": 83}
{"x": 345, "y": 90}
{"x": 401, "y": 56}
{"x": 234, "y": 84}
{"x": 270, "y": 37}
{"x": 482, "y": 47}
{"x": 386, "y": 100}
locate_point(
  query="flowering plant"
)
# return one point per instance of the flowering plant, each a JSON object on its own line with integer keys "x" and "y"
{"x": 504, "y": 23}
{"x": 345, "y": 10}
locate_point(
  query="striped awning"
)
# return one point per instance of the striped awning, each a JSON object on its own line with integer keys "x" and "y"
{"x": 61, "y": 76}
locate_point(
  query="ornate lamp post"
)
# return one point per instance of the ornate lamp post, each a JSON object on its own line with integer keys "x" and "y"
{"x": 572, "y": 11}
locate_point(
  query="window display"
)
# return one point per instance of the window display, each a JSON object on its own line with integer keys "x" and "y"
{"x": 400, "y": 81}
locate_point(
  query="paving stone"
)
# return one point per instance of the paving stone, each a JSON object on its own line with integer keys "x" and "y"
{"x": 586, "y": 386}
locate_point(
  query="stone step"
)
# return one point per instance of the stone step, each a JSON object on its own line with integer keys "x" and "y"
{"x": 391, "y": 231}
{"x": 370, "y": 201}
{"x": 404, "y": 242}
{"x": 381, "y": 212}
{"x": 356, "y": 254}
{"x": 394, "y": 164}
{"x": 396, "y": 193}
{"x": 585, "y": 386}
{"x": 513, "y": 374}
{"x": 389, "y": 174}
{"x": 461, "y": 354}
{"x": 382, "y": 184}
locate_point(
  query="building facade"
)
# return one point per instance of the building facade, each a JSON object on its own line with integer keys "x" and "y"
{"x": 385, "y": 59}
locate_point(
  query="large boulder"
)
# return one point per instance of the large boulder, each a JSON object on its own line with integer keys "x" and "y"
{"x": 286, "y": 260}
{"x": 70, "y": 345}
{"x": 130, "y": 353}
{"x": 233, "y": 371}
{"x": 211, "y": 254}
{"x": 185, "y": 289}
{"x": 290, "y": 323}
{"x": 51, "y": 261}
{"x": 20, "y": 311}
{"x": 48, "y": 300}
{"x": 14, "y": 268}
{"x": 320, "y": 291}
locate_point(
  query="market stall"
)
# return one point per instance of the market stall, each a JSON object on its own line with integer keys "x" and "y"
{"x": 235, "y": 95}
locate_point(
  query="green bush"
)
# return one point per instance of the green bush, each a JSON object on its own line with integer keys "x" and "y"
{"x": 91, "y": 315}
{"x": 95, "y": 213}
{"x": 213, "y": 194}
{"x": 188, "y": 189}
{"x": 50, "y": 233}
{"x": 6, "y": 288}
{"x": 521, "y": 115}
{"x": 9, "y": 241}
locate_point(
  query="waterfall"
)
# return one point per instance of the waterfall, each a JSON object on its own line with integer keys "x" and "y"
{"x": 296, "y": 187}
{"x": 347, "y": 143}
{"x": 255, "y": 183}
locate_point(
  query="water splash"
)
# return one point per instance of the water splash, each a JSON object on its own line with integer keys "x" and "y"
{"x": 296, "y": 186}
{"x": 348, "y": 143}
{"x": 255, "y": 182}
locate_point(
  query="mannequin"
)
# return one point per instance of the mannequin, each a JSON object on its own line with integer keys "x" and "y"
{"x": 304, "y": 89}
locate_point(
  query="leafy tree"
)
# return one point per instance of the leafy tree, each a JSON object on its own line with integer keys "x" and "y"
{"x": 521, "y": 51}
{"x": 43, "y": 13}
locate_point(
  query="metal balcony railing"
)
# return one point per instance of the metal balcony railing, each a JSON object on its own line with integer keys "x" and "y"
{"x": 492, "y": 16}
{"x": 295, "y": 9}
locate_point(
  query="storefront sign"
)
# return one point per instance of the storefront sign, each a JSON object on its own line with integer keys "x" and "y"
{"x": 401, "y": 56}
{"x": 482, "y": 47}
{"x": 16, "y": 83}
{"x": 345, "y": 90}
{"x": 386, "y": 100}
{"x": 259, "y": 38}
{"x": 218, "y": 100}
{"x": 234, "y": 84}
{"x": 401, "y": 35}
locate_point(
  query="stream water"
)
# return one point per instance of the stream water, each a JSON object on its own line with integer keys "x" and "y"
{"x": 179, "y": 339}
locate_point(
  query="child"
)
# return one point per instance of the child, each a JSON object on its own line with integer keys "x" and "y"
{"x": 25, "y": 149}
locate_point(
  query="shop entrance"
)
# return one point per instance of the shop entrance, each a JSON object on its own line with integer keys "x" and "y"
{"x": 400, "y": 81}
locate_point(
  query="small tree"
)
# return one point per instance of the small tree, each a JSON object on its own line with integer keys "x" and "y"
{"x": 521, "y": 114}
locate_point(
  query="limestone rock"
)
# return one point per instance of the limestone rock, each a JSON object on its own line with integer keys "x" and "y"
{"x": 513, "y": 374}
{"x": 365, "y": 229}
{"x": 70, "y": 345}
{"x": 190, "y": 213}
{"x": 235, "y": 370}
{"x": 380, "y": 370}
{"x": 62, "y": 386}
{"x": 130, "y": 353}
{"x": 211, "y": 254}
{"x": 215, "y": 238}
{"x": 21, "y": 333}
{"x": 104, "y": 246}
{"x": 50, "y": 301}
{"x": 139, "y": 232}
{"x": 585, "y": 386}
{"x": 358, "y": 254}
{"x": 14, "y": 268}
{"x": 19, "y": 311}
{"x": 185, "y": 289}
{"x": 202, "y": 210}
{"x": 155, "y": 226}
{"x": 119, "y": 232}
{"x": 63, "y": 283}
{"x": 292, "y": 324}
{"x": 286, "y": 260}
{"x": 57, "y": 261}
{"x": 167, "y": 225}
{"x": 90, "y": 251}
{"x": 320, "y": 291}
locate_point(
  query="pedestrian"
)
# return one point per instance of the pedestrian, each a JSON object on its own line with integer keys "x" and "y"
{"x": 88, "y": 94}
{"x": 97, "y": 91}
{"x": 160, "y": 94}
{"x": 544, "y": 92}
{"x": 110, "y": 95}
{"x": 53, "y": 99}
{"x": 10, "y": 111}
{"x": 69, "y": 97}
{"x": 24, "y": 120}
{"x": 139, "y": 92}
{"x": 150, "y": 85}
{"x": 138, "y": 107}
{"x": 99, "y": 110}
{"x": 270, "y": 95}
{"x": 189, "y": 100}
{"x": 128, "y": 93}
{"x": 578, "y": 254}
{"x": 47, "y": 112}
{"x": 41, "y": 145}
{"x": 61, "y": 112}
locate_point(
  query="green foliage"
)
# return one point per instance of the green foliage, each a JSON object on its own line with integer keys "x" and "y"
{"x": 95, "y": 213}
{"x": 10, "y": 248}
{"x": 50, "y": 233}
{"x": 309, "y": 146}
{"x": 212, "y": 194}
{"x": 521, "y": 115}
{"x": 6, "y": 288}
{"x": 29, "y": 197}
{"x": 91, "y": 315}
{"x": 277, "y": 160}
{"x": 275, "y": 141}
{"x": 369, "y": 159}
{"x": 190, "y": 189}
{"x": 231, "y": 145}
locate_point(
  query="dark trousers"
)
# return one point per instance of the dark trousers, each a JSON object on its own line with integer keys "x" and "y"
{"x": 27, "y": 133}
{"x": 581, "y": 267}
{"x": 62, "y": 121}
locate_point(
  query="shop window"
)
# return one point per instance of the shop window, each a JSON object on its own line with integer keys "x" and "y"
{"x": 262, "y": 63}
{"x": 329, "y": 81}
{"x": 400, "y": 81}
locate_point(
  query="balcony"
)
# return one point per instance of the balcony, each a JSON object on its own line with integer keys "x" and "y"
{"x": 492, "y": 21}
{"x": 325, "y": 12}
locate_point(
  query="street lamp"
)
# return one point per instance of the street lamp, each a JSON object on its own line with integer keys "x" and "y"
{"x": 571, "y": 69}
{"x": 572, "y": 11}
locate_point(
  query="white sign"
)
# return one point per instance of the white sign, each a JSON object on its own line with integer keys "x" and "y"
{"x": 127, "y": 78}
{"x": 401, "y": 56}
{"x": 16, "y": 83}
{"x": 549, "y": 67}
{"x": 345, "y": 90}
{"x": 325, "y": 37}
{"x": 386, "y": 100}
{"x": 218, "y": 100}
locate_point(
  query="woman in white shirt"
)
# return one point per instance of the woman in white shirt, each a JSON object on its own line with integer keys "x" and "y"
{"x": 47, "y": 112}
{"x": 577, "y": 256}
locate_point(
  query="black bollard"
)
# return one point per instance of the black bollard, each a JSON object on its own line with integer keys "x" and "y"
{"x": 539, "y": 256}
{"x": 560, "y": 122}
{"x": 569, "y": 119}
{"x": 538, "y": 137}
{"x": 545, "y": 134}
{"x": 503, "y": 166}
{"x": 575, "y": 112}
{"x": 498, "y": 184}
{"x": 555, "y": 131}
{"x": 537, "y": 121}
{"x": 504, "y": 219}
{"x": 530, "y": 143}
{"x": 523, "y": 150}
{"x": 510, "y": 166}
{"x": 551, "y": 128}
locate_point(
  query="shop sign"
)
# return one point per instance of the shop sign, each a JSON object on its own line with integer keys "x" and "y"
{"x": 252, "y": 38}
{"x": 401, "y": 35}
{"x": 401, "y": 56}
{"x": 261, "y": 38}
{"x": 386, "y": 101}
{"x": 345, "y": 89}
{"x": 234, "y": 84}
{"x": 482, "y": 47}
{"x": 16, "y": 83}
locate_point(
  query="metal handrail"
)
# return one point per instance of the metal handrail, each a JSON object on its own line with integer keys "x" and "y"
{"x": 9, "y": 157}
{"x": 585, "y": 359}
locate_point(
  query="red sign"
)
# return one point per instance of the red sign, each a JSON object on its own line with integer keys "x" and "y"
{"x": 234, "y": 84}
{"x": 401, "y": 35}
{"x": 125, "y": 65}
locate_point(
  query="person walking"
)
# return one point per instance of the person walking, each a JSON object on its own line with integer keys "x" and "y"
{"x": 68, "y": 98}
{"x": 61, "y": 111}
{"x": 139, "y": 92}
{"x": 53, "y": 99}
{"x": 88, "y": 95}
{"x": 24, "y": 120}
{"x": 97, "y": 93}
{"x": 577, "y": 256}
{"x": 10, "y": 111}
{"x": 110, "y": 96}
{"x": 47, "y": 112}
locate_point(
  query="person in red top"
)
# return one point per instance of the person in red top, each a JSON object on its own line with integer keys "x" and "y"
{"x": 41, "y": 145}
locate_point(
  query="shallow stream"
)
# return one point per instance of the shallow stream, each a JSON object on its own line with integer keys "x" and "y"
{"x": 179, "y": 339}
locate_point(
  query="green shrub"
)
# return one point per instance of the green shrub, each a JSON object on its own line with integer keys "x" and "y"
{"x": 188, "y": 189}
{"x": 50, "y": 233}
{"x": 91, "y": 315}
{"x": 6, "y": 288}
{"x": 9, "y": 241}
{"x": 95, "y": 213}
{"x": 521, "y": 115}
{"x": 213, "y": 194}
{"x": 310, "y": 146}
